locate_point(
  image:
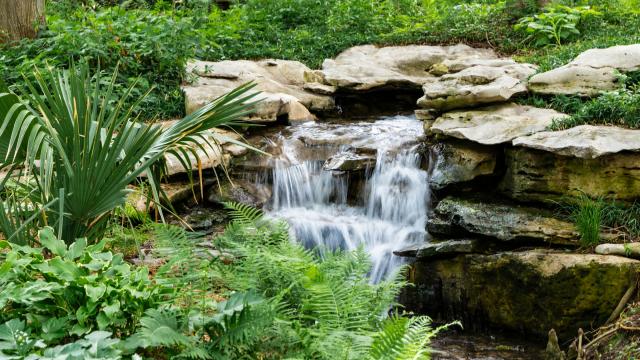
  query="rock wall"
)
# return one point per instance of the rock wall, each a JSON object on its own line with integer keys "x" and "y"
{"x": 499, "y": 254}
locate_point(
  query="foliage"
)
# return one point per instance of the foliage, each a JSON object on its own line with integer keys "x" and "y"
{"x": 59, "y": 292}
{"x": 587, "y": 215}
{"x": 592, "y": 216}
{"x": 80, "y": 152}
{"x": 556, "y": 25}
{"x": 618, "y": 108}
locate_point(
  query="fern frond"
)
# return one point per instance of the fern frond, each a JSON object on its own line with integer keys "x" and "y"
{"x": 243, "y": 214}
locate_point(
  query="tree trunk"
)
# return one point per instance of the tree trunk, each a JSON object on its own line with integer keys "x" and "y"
{"x": 20, "y": 19}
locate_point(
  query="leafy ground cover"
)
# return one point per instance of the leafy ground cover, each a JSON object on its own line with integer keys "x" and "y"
{"x": 81, "y": 301}
{"x": 153, "y": 39}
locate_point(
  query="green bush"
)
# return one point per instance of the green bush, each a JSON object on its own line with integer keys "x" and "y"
{"x": 65, "y": 292}
{"x": 556, "y": 25}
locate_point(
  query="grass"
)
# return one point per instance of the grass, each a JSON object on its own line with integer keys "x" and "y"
{"x": 593, "y": 216}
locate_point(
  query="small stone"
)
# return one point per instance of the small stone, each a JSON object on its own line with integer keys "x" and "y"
{"x": 440, "y": 249}
{"x": 439, "y": 69}
{"x": 426, "y": 114}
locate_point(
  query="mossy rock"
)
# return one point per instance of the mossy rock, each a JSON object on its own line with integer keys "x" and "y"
{"x": 534, "y": 175}
{"x": 529, "y": 292}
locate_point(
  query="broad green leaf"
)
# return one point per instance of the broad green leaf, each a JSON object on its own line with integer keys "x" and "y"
{"x": 95, "y": 292}
{"x": 76, "y": 249}
{"x": 49, "y": 240}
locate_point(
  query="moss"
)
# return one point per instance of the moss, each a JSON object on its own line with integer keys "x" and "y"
{"x": 529, "y": 292}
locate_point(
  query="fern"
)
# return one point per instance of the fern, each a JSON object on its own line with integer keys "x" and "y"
{"x": 159, "y": 328}
{"x": 243, "y": 214}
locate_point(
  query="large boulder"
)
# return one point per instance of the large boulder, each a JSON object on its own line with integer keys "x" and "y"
{"x": 476, "y": 85}
{"x": 535, "y": 175}
{"x": 584, "y": 141}
{"x": 528, "y": 292}
{"x": 458, "y": 162}
{"x": 366, "y": 68}
{"x": 280, "y": 82}
{"x": 592, "y": 72}
{"x": 495, "y": 124}
{"x": 501, "y": 221}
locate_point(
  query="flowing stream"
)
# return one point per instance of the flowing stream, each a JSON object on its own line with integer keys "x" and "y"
{"x": 344, "y": 186}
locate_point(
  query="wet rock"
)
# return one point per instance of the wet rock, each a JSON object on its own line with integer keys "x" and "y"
{"x": 240, "y": 191}
{"x": 504, "y": 222}
{"x": 348, "y": 161}
{"x": 592, "y": 72}
{"x": 457, "y": 162}
{"x": 365, "y": 68}
{"x": 534, "y": 175}
{"x": 281, "y": 84}
{"x": 495, "y": 124}
{"x": 584, "y": 141}
{"x": 476, "y": 85}
{"x": 528, "y": 292}
{"x": 441, "y": 248}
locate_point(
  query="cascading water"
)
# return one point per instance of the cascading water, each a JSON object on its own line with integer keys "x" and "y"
{"x": 392, "y": 211}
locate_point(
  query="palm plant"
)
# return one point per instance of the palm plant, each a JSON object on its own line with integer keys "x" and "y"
{"x": 69, "y": 150}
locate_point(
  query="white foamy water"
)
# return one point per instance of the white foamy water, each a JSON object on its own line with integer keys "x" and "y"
{"x": 392, "y": 212}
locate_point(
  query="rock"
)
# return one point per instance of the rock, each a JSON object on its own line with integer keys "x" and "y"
{"x": 592, "y": 72}
{"x": 348, "y": 161}
{"x": 631, "y": 250}
{"x": 456, "y": 216}
{"x": 441, "y": 249}
{"x": 175, "y": 191}
{"x": 425, "y": 114}
{"x": 281, "y": 84}
{"x": 495, "y": 124}
{"x": 366, "y": 68}
{"x": 457, "y": 162}
{"x": 476, "y": 85}
{"x": 213, "y": 149}
{"x": 240, "y": 191}
{"x": 534, "y": 175}
{"x": 528, "y": 292}
{"x": 553, "y": 351}
{"x": 319, "y": 88}
{"x": 584, "y": 141}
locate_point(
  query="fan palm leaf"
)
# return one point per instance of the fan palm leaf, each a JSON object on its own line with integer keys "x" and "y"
{"x": 72, "y": 136}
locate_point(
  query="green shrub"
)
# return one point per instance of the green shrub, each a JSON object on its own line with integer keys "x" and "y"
{"x": 69, "y": 291}
{"x": 556, "y": 25}
{"x": 81, "y": 151}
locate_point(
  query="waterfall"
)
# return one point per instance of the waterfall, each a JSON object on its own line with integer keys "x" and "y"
{"x": 316, "y": 203}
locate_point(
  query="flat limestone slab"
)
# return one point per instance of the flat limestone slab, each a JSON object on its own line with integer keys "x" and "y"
{"x": 368, "y": 67}
{"x": 477, "y": 85}
{"x": 584, "y": 141}
{"x": 590, "y": 73}
{"x": 280, "y": 82}
{"x": 495, "y": 124}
